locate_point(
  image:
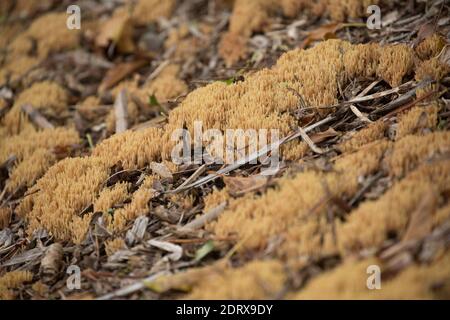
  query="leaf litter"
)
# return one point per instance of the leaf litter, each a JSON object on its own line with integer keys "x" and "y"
{"x": 365, "y": 145}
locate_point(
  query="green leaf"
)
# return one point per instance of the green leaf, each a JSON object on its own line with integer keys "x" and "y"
{"x": 153, "y": 101}
{"x": 90, "y": 142}
{"x": 229, "y": 81}
{"x": 204, "y": 250}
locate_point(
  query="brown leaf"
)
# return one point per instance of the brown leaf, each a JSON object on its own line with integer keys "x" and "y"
{"x": 241, "y": 185}
{"x": 421, "y": 221}
{"x": 51, "y": 262}
{"x": 425, "y": 31}
{"x": 118, "y": 73}
{"x": 119, "y": 31}
{"x": 326, "y": 31}
{"x": 322, "y": 136}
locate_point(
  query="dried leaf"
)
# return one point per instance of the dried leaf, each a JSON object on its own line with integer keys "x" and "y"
{"x": 138, "y": 231}
{"x": 117, "y": 30}
{"x": 121, "y": 256}
{"x": 6, "y": 237}
{"x": 324, "y": 135}
{"x": 161, "y": 170}
{"x": 176, "y": 252}
{"x": 425, "y": 31}
{"x": 421, "y": 222}
{"x": 397, "y": 263}
{"x": 309, "y": 142}
{"x": 239, "y": 185}
{"x": 26, "y": 256}
{"x": 420, "y": 226}
{"x": 326, "y": 31}
{"x": 120, "y": 72}
{"x": 51, "y": 262}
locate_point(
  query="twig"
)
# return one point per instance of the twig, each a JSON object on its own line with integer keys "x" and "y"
{"x": 358, "y": 113}
{"x": 309, "y": 142}
{"x": 203, "y": 219}
{"x": 369, "y": 87}
{"x": 365, "y": 187}
{"x": 362, "y": 97}
{"x": 375, "y": 95}
{"x": 133, "y": 287}
{"x": 193, "y": 177}
{"x": 402, "y": 99}
{"x": 355, "y": 110}
{"x": 121, "y": 110}
{"x": 36, "y": 117}
{"x": 157, "y": 71}
{"x": 409, "y": 105}
{"x": 265, "y": 150}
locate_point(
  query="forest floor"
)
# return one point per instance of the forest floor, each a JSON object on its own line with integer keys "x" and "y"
{"x": 92, "y": 204}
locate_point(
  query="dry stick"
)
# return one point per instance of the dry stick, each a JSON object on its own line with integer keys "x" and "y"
{"x": 363, "y": 98}
{"x": 309, "y": 142}
{"x": 157, "y": 71}
{"x": 375, "y": 95}
{"x": 132, "y": 288}
{"x": 265, "y": 150}
{"x": 403, "y": 99}
{"x": 370, "y": 87}
{"x": 355, "y": 110}
{"x": 121, "y": 111}
{"x": 365, "y": 187}
{"x": 359, "y": 114}
{"x": 193, "y": 177}
{"x": 36, "y": 117}
{"x": 410, "y": 105}
{"x": 204, "y": 218}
